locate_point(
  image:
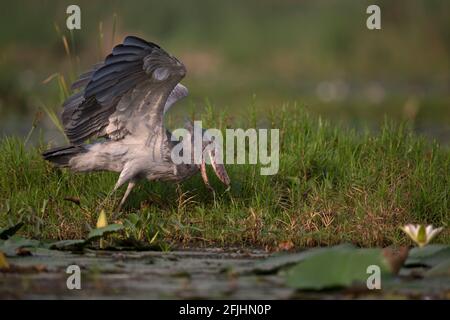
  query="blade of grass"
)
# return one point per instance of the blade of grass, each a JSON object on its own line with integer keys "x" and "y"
{"x": 113, "y": 36}
{"x": 54, "y": 118}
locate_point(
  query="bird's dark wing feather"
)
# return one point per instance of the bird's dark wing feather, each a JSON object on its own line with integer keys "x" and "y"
{"x": 117, "y": 95}
{"x": 84, "y": 78}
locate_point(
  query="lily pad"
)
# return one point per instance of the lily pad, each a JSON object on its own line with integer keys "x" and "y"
{"x": 336, "y": 267}
{"x": 276, "y": 262}
{"x": 72, "y": 245}
{"x": 7, "y": 232}
{"x": 428, "y": 256}
{"x": 102, "y": 232}
{"x": 12, "y": 246}
{"x": 440, "y": 270}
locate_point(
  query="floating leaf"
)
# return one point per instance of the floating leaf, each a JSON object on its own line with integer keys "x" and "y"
{"x": 336, "y": 267}
{"x": 102, "y": 232}
{"x": 72, "y": 245}
{"x": 5, "y": 233}
{"x": 428, "y": 256}
{"x": 279, "y": 261}
{"x": 14, "y": 244}
{"x": 440, "y": 270}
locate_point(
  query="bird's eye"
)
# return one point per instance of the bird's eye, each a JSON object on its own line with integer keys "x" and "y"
{"x": 161, "y": 74}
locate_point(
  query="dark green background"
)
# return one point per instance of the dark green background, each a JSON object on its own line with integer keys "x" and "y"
{"x": 244, "y": 54}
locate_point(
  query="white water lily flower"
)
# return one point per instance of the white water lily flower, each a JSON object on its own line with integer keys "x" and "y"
{"x": 420, "y": 234}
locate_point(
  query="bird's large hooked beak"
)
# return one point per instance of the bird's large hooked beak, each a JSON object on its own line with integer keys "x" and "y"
{"x": 210, "y": 149}
{"x": 219, "y": 168}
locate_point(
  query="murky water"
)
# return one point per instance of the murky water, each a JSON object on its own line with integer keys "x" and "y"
{"x": 187, "y": 274}
{"x": 140, "y": 275}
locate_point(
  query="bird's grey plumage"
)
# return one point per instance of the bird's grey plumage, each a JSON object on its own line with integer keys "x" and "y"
{"x": 123, "y": 99}
{"x": 87, "y": 113}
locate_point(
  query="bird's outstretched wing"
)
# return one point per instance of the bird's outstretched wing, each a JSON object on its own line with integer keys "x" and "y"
{"x": 127, "y": 94}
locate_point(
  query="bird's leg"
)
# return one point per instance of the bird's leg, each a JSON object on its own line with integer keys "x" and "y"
{"x": 126, "y": 175}
{"x": 118, "y": 184}
{"x": 108, "y": 196}
{"x": 130, "y": 187}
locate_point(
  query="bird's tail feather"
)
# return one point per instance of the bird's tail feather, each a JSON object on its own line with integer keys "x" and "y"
{"x": 61, "y": 156}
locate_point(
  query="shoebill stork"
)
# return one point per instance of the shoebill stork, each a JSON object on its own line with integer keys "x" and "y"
{"x": 120, "y": 107}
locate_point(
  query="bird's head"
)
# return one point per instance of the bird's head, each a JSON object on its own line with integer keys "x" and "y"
{"x": 209, "y": 150}
{"x": 163, "y": 67}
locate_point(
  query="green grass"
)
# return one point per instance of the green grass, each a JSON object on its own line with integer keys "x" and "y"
{"x": 334, "y": 185}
